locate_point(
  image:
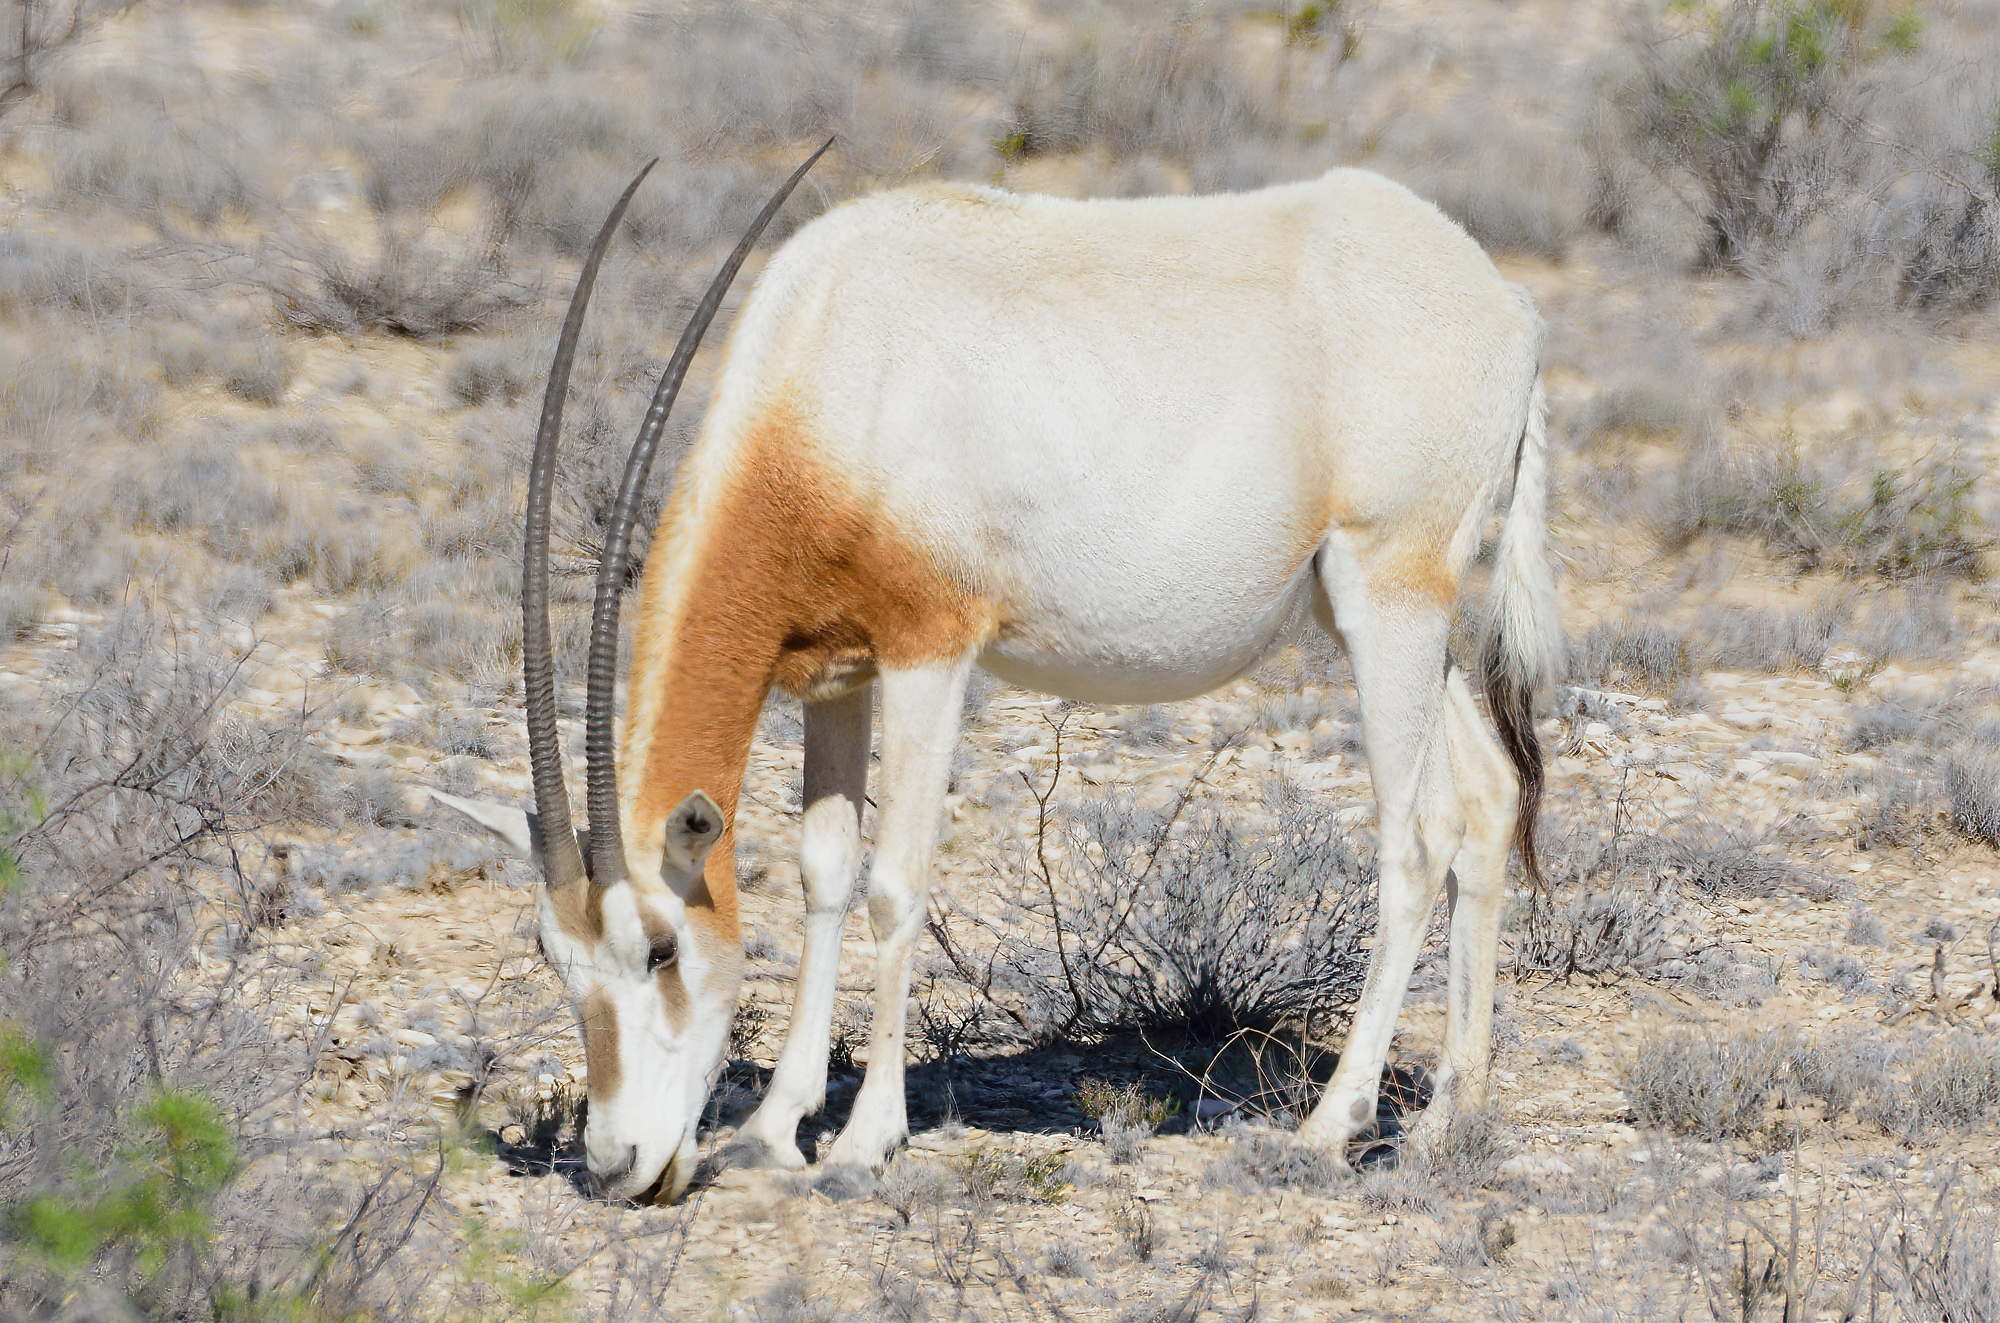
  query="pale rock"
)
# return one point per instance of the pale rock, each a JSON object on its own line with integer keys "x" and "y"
{"x": 1797, "y": 766}
{"x": 275, "y": 679}
{"x": 1541, "y": 1170}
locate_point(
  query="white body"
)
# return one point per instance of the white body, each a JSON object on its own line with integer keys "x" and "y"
{"x": 1103, "y": 449}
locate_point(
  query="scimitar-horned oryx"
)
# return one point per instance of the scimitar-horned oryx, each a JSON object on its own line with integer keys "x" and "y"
{"x": 1103, "y": 449}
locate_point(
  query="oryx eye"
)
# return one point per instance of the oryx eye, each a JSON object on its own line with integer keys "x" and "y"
{"x": 662, "y": 952}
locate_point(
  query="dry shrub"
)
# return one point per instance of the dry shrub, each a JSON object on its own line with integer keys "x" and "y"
{"x": 1191, "y": 919}
{"x": 1854, "y": 517}
{"x": 1937, "y": 773}
{"x": 1748, "y": 104}
{"x": 1264, "y": 1160}
{"x": 1643, "y": 655}
{"x": 133, "y": 802}
{"x": 1695, "y": 1082}
{"x": 1932, "y": 1258}
{"x": 1614, "y": 906}
{"x": 1775, "y": 639}
{"x": 1955, "y": 1083}
{"x": 1168, "y": 86}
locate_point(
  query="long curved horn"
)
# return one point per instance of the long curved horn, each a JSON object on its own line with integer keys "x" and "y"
{"x": 607, "y": 849}
{"x": 562, "y": 862}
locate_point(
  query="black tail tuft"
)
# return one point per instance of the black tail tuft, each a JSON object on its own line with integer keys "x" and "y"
{"x": 1512, "y": 706}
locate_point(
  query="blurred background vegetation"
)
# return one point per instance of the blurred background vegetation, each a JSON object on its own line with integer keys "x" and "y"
{"x": 277, "y": 286}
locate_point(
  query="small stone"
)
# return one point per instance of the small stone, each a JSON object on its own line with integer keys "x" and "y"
{"x": 1542, "y": 1170}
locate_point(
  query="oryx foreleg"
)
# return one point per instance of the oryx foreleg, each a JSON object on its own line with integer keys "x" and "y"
{"x": 920, "y": 726}
{"x": 836, "y": 778}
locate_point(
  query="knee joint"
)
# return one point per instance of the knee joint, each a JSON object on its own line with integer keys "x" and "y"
{"x": 891, "y": 911}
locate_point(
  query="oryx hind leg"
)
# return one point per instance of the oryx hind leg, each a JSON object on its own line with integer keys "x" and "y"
{"x": 1395, "y": 640}
{"x": 836, "y": 780}
{"x": 920, "y": 721}
{"x": 1489, "y": 793}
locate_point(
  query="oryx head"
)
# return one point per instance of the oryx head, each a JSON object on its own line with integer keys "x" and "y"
{"x": 651, "y": 967}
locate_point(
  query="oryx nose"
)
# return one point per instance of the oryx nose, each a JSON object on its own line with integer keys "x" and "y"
{"x": 611, "y": 1172}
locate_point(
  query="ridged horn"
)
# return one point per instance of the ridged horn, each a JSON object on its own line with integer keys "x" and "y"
{"x": 607, "y": 848}
{"x": 562, "y": 862}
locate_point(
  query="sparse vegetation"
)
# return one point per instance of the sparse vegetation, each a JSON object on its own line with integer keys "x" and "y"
{"x": 1703, "y": 1084}
{"x": 1897, "y": 524}
{"x": 1184, "y": 919}
{"x": 1750, "y": 102}
{"x": 276, "y": 297}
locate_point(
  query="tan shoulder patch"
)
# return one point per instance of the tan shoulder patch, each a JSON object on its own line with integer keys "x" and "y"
{"x": 793, "y": 577}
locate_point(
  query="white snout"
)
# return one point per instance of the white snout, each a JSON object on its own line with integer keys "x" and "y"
{"x": 642, "y": 1129}
{"x": 625, "y": 1169}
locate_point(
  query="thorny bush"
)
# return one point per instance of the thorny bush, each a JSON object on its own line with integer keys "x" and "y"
{"x": 1194, "y": 918}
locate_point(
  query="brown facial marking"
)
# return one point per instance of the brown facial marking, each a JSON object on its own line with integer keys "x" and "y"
{"x": 600, "y": 1046}
{"x": 673, "y": 996}
{"x": 794, "y": 578}
{"x": 579, "y": 911}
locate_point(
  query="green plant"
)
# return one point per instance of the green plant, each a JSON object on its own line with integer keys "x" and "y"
{"x": 1748, "y": 103}
{"x": 1313, "y": 23}
{"x": 1917, "y": 523}
{"x": 152, "y": 1202}
{"x": 24, "y": 1070}
{"x": 485, "y": 1267}
{"x": 1026, "y": 1178}
{"x": 1013, "y": 146}
{"x": 22, "y": 805}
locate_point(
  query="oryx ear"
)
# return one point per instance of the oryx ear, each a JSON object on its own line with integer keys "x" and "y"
{"x": 692, "y": 831}
{"x": 516, "y": 828}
